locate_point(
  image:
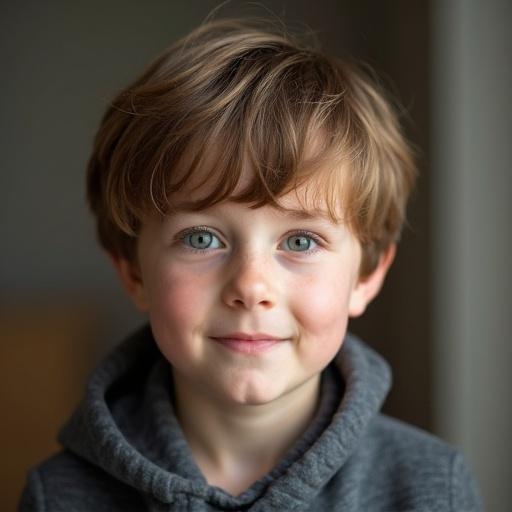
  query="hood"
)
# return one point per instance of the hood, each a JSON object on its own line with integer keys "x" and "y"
{"x": 125, "y": 425}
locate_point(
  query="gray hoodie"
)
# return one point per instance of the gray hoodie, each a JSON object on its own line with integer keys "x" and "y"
{"x": 124, "y": 449}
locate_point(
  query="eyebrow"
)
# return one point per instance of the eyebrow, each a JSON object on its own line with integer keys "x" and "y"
{"x": 308, "y": 215}
{"x": 297, "y": 214}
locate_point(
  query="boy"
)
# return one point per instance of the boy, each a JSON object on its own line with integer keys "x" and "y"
{"x": 250, "y": 192}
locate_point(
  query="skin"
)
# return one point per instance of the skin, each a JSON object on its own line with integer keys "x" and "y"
{"x": 240, "y": 413}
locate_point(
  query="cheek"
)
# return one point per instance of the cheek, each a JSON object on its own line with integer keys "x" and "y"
{"x": 174, "y": 295}
{"x": 178, "y": 301}
{"x": 322, "y": 303}
{"x": 321, "y": 313}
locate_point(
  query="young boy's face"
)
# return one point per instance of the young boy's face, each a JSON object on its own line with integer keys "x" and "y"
{"x": 234, "y": 271}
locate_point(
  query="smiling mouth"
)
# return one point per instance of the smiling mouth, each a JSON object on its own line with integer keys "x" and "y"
{"x": 244, "y": 336}
{"x": 248, "y": 346}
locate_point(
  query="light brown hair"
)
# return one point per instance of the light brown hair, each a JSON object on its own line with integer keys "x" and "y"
{"x": 237, "y": 95}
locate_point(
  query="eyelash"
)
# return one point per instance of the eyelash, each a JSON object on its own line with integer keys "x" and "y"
{"x": 201, "y": 229}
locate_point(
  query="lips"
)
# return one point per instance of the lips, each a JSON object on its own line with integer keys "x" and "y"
{"x": 243, "y": 336}
{"x": 246, "y": 343}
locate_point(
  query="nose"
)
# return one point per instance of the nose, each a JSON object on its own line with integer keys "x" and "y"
{"x": 251, "y": 284}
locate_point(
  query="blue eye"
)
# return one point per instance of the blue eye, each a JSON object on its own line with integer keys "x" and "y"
{"x": 201, "y": 240}
{"x": 301, "y": 243}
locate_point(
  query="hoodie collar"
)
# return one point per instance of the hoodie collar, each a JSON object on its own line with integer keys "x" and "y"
{"x": 125, "y": 425}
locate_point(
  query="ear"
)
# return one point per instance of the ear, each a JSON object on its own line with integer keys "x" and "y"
{"x": 131, "y": 279}
{"x": 369, "y": 286}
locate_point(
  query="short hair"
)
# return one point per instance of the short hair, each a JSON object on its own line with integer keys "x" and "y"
{"x": 246, "y": 95}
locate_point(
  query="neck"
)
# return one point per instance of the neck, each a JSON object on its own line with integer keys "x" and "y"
{"x": 233, "y": 440}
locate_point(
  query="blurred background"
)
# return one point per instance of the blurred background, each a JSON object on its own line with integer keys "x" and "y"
{"x": 443, "y": 320}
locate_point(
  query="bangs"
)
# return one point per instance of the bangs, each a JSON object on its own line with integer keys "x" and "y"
{"x": 240, "y": 114}
{"x": 270, "y": 115}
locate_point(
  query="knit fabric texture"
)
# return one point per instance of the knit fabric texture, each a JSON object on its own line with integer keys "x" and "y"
{"x": 124, "y": 449}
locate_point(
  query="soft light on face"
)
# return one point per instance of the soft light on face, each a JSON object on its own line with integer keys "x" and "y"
{"x": 233, "y": 269}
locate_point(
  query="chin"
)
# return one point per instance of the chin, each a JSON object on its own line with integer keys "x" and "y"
{"x": 253, "y": 400}
{"x": 249, "y": 393}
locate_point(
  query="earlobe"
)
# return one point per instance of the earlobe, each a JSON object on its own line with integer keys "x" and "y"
{"x": 131, "y": 280}
{"x": 369, "y": 286}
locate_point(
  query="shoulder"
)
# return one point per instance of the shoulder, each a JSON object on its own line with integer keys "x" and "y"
{"x": 65, "y": 482}
{"x": 412, "y": 466}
